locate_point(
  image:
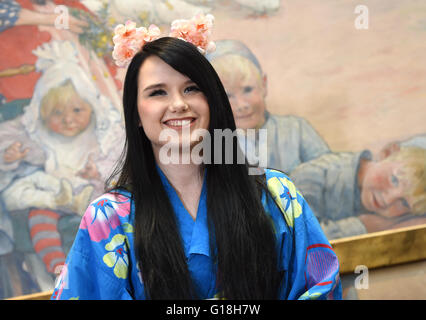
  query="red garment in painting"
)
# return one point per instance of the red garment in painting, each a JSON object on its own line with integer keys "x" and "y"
{"x": 16, "y": 46}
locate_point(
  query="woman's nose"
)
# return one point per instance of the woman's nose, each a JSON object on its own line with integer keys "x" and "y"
{"x": 178, "y": 104}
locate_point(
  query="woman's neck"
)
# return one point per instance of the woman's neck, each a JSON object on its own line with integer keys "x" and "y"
{"x": 181, "y": 175}
{"x": 187, "y": 180}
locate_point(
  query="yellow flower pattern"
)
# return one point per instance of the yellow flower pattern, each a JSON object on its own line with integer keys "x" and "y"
{"x": 285, "y": 196}
{"x": 117, "y": 256}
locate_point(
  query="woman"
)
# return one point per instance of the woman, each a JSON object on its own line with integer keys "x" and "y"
{"x": 193, "y": 231}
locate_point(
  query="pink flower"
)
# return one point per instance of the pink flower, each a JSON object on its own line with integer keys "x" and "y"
{"x": 123, "y": 54}
{"x": 125, "y": 33}
{"x": 196, "y": 31}
{"x": 152, "y": 33}
{"x": 128, "y": 40}
{"x": 103, "y": 215}
{"x": 203, "y": 23}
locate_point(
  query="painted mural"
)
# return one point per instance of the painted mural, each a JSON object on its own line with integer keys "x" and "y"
{"x": 343, "y": 85}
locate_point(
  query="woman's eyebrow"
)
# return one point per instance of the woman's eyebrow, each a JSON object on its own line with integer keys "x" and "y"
{"x": 154, "y": 86}
{"x": 162, "y": 85}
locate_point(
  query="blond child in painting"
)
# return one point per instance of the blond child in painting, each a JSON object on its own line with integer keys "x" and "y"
{"x": 65, "y": 116}
{"x": 55, "y": 157}
{"x": 351, "y": 194}
{"x": 395, "y": 189}
{"x": 290, "y": 140}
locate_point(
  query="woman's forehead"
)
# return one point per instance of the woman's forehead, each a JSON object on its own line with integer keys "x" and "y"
{"x": 154, "y": 70}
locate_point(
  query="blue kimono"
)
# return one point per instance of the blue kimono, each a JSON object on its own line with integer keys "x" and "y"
{"x": 102, "y": 264}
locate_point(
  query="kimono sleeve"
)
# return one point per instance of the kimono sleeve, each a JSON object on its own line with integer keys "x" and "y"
{"x": 82, "y": 279}
{"x": 313, "y": 266}
{"x": 95, "y": 269}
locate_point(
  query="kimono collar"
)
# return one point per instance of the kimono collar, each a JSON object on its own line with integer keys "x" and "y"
{"x": 195, "y": 234}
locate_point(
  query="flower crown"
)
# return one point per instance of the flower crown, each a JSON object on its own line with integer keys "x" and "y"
{"x": 128, "y": 40}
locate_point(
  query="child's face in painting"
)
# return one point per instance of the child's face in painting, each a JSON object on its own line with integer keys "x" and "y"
{"x": 247, "y": 97}
{"x": 384, "y": 190}
{"x": 70, "y": 118}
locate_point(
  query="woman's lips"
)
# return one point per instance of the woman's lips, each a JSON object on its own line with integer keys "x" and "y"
{"x": 179, "y": 123}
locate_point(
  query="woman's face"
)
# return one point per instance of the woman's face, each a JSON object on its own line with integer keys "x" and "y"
{"x": 169, "y": 100}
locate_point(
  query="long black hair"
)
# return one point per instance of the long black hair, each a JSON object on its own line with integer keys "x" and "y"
{"x": 238, "y": 227}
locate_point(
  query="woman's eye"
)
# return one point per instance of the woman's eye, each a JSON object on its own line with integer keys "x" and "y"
{"x": 158, "y": 92}
{"x": 192, "y": 89}
{"x": 394, "y": 181}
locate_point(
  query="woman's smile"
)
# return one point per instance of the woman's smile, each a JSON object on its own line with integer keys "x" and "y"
{"x": 181, "y": 123}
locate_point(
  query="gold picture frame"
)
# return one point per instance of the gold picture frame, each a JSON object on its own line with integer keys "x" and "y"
{"x": 381, "y": 249}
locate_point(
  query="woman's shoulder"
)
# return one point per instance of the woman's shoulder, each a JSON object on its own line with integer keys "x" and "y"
{"x": 275, "y": 174}
{"x": 277, "y": 180}
{"x": 285, "y": 195}
{"x": 108, "y": 212}
{"x": 114, "y": 198}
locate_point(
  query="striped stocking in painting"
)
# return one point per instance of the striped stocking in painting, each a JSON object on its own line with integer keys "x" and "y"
{"x": 46, "y": 238}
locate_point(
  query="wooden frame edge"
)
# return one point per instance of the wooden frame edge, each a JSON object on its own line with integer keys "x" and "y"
{"x": 34, "y": 296}
{"x": 380, "y": 249}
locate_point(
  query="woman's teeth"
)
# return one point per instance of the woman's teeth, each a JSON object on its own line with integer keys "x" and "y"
{"x": 179, "y": 123}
